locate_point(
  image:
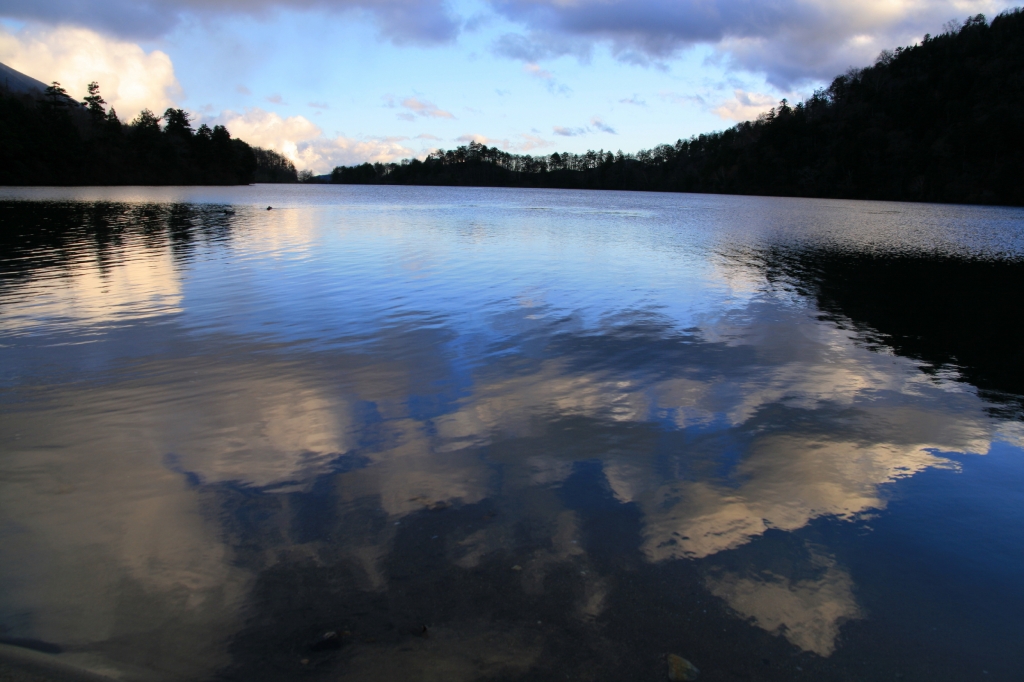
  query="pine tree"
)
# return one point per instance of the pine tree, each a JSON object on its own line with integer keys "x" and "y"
{"x": 56, "y": 97}
{"x": 94, "y": 102}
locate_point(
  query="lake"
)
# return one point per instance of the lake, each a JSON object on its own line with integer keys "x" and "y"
{"x": 410, "y": 433}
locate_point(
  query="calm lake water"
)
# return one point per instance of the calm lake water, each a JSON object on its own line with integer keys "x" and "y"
{"x": 507, "y": 434}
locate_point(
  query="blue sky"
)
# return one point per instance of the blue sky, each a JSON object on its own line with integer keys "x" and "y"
{"x": 343, "y": 81}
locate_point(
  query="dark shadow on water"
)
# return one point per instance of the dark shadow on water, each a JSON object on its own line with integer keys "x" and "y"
{"x": 649, "y": 344}
{"x": 435, "y": 618}
{"x": 946, "y": 311}
{"x": 36, "y": 235}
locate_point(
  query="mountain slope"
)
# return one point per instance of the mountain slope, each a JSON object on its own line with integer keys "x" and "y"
{"x": 16, "y": 81}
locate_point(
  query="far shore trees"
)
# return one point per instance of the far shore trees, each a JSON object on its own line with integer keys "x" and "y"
{"x": 939, "y": 121}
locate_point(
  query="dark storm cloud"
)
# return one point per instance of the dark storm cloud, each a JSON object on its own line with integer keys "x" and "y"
{"x": 400, "y": 21}
{"x": 788, "y": 40}
{"x": 122, "y": 17}
{"x": 657, "y": 27}
{"x": 541, "y": 46}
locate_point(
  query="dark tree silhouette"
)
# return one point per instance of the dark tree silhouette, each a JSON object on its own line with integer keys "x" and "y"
{"x": 57, "y": 141}
{"x": 146, "y": 123}
{"x": 94, "y": 103}
{"x": 56, "y": 97}
{"x": 178, "y": 122}
{"x": 273, "y": 167}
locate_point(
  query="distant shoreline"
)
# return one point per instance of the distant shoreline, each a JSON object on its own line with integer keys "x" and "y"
{"x": 937, "y": 122}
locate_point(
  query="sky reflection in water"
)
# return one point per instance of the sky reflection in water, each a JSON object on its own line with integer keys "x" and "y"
{"x": 568, "y": 432}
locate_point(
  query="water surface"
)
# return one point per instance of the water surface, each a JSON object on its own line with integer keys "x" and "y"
{"x": 510, "y": 434}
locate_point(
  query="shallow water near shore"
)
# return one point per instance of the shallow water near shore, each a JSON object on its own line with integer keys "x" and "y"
{"x": 510, "y": 434}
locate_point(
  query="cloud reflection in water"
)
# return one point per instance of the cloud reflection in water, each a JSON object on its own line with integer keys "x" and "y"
{"x": 580, "y": 443}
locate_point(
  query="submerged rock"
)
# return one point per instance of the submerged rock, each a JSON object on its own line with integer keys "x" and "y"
{"x": 681, "y": 669}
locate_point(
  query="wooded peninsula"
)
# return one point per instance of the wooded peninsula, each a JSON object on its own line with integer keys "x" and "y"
{"x": 939, "y": 121}
{"x": 49, "y": 138}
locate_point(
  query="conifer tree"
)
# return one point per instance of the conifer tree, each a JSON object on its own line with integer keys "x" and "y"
{"x": 94, "y": 102}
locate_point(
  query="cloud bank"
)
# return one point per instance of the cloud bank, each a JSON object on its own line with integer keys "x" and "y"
{"x": 400, "y": 21}
{"x": 745, "y": 106}
{"x": 788, "y": 40}
{"x": 130, "y": 78}
{"x": 304, "y": 144}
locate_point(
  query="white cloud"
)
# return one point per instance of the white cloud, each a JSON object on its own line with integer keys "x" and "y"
{"x": 531, "y": 142}
{"x": 268, "y": 130}
{"x": 130, "y": 78}
{"x": 321, "y": 155}
{"x": 415, "y": 108}
{"x": 303, "y": 143}
{"x": 473, "y": 137}
{"x": 745, "y": 106}
{"x": 426, "y": 109}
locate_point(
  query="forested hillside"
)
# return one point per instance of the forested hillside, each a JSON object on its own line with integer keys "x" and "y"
{"x": 51, "y": 139}
{"x": 274, "y": 167}
{"x": 939, "y": 121}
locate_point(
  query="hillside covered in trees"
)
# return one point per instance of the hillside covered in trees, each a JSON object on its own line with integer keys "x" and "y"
{"x": 939, "y": 121}
{"x": 48, "y": 138}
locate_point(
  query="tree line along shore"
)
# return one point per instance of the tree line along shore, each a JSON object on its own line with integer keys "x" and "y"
{"x": 49, "y": 138}
{"x": 942, "y": 120}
